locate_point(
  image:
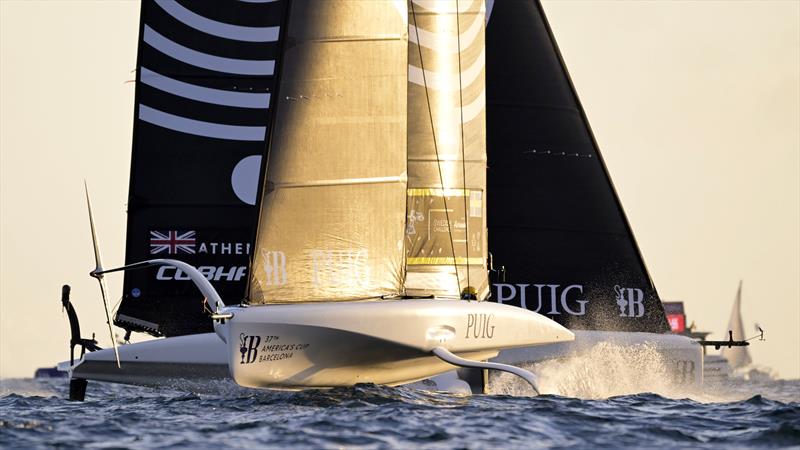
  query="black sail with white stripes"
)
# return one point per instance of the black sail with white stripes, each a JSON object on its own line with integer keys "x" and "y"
{"x": 556, "y": 223}
{"x": 205, "y": 78}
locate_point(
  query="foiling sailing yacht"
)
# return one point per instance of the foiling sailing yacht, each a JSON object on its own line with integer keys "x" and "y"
{"x": 244, "y": 118}
{"x": 369, "y": 258}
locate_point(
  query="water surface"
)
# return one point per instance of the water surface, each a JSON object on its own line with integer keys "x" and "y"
{"x": 35, "y": 413}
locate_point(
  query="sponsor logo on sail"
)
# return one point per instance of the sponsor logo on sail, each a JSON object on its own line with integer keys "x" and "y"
{"x": 274, "y": 267}
{"x": 172, "y": 242}
{"x": 212, "y": 273}
{"x": 177, "y": 242}
{"x": 551, "y": 299}
{"x": 630, "y": 301}
{"x": 330, "y": 267}
{"x": 224, "y": 248}
{"x": 413, "y": 217}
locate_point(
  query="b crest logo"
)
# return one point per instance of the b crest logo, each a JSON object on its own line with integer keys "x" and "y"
{"x": 248, "y": 347}
{"x": 630, "y": 301}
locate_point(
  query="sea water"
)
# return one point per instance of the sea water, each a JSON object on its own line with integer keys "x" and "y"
{"x": 733, "y": 414}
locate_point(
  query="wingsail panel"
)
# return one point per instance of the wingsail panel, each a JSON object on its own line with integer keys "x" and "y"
{"x": 205, "y": 79}
{"x": 555, "y": 221}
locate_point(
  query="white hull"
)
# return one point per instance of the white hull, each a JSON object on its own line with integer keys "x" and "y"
{"x": 297, "y": 346}
{"x": 184, "y": 361}
{"x": 199, "y": 360}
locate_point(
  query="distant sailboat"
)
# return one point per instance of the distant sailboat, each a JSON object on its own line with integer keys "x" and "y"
{"x": 737, "y": 357}
{"x": 733, "y": 360}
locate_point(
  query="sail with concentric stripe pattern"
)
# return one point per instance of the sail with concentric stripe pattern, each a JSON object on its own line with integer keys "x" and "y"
{"x": 205, "y": 86}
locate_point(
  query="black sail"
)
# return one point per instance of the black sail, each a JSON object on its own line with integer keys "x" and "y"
{"x": 555, "y": 222}
{"x": 205, "y": 77}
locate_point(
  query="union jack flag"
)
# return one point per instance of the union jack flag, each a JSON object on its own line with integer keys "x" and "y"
{"x": 172, "y": 242}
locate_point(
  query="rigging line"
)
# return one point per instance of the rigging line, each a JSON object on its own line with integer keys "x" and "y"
{"x": 756, "y": 336}
{"x": 463, "y": 157}
{"x": 436, "y": 148}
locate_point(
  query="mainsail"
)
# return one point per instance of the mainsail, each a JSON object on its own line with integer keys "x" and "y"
{"x": 376, "y": 175}
{"x": 205, "y": 76}
{"x": 737, "y": 356}
{"x": 332, "y": 214}
{"x": 556, "y": 223}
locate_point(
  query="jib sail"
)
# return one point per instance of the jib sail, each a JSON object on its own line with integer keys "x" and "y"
{"x": 445, "y": 235}
{"x": 205, "y": 80}
{"x": 555, "y": 222}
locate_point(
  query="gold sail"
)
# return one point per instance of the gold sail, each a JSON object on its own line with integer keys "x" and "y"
{"x": 446, "y": 244}
{"x": 332, "y": 214}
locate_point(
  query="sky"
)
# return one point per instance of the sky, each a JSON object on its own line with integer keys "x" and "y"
{"x": 695, "y": 106}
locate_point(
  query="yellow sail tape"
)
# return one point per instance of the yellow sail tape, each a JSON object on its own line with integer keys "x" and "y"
{"x": 441, "y": 261}
{"x": 436, "y": 192}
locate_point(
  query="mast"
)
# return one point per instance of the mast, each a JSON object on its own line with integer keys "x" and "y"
{"x": 556, "y": 222}
{"x": 205, "y": 76}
